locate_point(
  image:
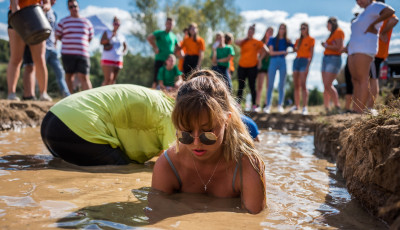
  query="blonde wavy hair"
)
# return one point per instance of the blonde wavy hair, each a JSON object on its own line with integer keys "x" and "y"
{"x": 205, "y": 91}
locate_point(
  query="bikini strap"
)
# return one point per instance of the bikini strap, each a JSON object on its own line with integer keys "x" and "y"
{"x": 173, "y": 168}
{"x": 238, "y": 164}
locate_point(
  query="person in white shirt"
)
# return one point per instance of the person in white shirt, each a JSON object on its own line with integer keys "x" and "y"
{"x": 363, "y": 46}
{"x": 114, "y": 49}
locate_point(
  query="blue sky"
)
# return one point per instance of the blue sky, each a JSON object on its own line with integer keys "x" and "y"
{"x": 262, "y": 12}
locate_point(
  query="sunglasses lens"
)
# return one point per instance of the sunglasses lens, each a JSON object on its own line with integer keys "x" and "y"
{"x": 208, "y": 138}
{"x": 185, "y": 138}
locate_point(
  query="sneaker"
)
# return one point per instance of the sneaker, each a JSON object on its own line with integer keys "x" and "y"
{"x": 292, "y": 109}
{"x": 280, "y": 109}
{"x": 13, "y": 97}
{"x": 258, "y": 109}
{"x": 45, "y": 97}
{"x": 267, "y": 109}
{"x": 305, "y": 111}
{"x": 254, "y": 107}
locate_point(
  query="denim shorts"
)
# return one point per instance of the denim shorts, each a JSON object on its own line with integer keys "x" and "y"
{"x": 300, "y": 64}
{"x": 331, "y": 64}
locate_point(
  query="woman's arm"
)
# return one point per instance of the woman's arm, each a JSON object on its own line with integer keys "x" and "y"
{"x": 383, "y": 15}
{"x": 225, "y": 59}
{"x": 164, "y": 178}
{"x": 14, "y": 5}
{"x": 46, "y": 6}
{"x": 253, "y": 190}
{"x": 125, "y": 48}
{"x": 201, "y": 56}
{"x": 392, "y": 22}
{"x": 310, "y": 59}
{"x": 337, "y": 45}
{"x": 272, "y": 52}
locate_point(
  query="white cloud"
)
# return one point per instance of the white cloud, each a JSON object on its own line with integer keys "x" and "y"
{"x": 106, "y": 15}
{"x": 3, "y": 31}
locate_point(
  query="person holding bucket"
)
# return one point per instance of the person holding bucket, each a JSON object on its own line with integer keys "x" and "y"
{"x": 17, "y": 47}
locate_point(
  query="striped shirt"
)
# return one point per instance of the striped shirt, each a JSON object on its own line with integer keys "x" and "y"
{"x": 75, "y": 34}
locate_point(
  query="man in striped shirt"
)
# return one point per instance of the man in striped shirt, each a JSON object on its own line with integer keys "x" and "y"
{"x": 75, "y": 33}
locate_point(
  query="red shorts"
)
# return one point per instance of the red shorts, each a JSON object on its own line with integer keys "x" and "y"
{"x": 118, "y": 64}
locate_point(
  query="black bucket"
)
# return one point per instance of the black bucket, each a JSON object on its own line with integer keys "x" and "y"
{"x": 31, "y": 24}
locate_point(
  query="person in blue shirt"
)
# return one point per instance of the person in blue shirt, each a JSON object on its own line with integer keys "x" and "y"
{"x": 251, "y": 127}
{"x": 278, "y": 50}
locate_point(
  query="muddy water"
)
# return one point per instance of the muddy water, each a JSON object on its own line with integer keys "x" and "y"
{"x": 40, "y": 192}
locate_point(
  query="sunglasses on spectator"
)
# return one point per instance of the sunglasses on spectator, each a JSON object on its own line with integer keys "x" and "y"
{"x": 72, "y": 6}
{"x": 207, "y": 138}
{"x": 303, "y": 28}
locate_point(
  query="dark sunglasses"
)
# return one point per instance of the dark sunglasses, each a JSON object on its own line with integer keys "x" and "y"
{"x": 207, "y": 138}
{"x": 73, "y": 6}
{"x": 303, "y": 28}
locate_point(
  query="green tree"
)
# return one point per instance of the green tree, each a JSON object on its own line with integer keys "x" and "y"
{"x": 315, "y": 97}
{"x": 4, "y": 51}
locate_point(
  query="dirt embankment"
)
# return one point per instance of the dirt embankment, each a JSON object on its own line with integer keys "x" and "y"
{"x": 22, "y": 114}
{"x": 367, "y": 152}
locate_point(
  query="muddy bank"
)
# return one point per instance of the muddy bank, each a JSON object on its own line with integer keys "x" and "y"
{"x": 367, "y": 152}
{"x": 30, "y": 114}
{"x": 15, "y": 115}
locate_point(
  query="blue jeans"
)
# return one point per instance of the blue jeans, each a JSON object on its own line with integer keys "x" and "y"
{"x": 276, "y": 63}
{"x": 53, "y": 61}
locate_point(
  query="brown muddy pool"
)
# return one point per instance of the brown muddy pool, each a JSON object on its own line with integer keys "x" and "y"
{"x": 37, "y": 191}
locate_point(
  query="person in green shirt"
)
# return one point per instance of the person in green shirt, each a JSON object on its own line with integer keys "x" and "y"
{"x": 221, "y": 56}
{"x": 169, "y": 76}
{"x": 109, "y": 125}
{"x": 164, "y": 43}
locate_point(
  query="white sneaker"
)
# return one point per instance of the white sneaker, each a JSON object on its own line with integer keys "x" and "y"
{"x": 45, "y": 97}
{"x": 280, "y": 109}
{"x": 305, "y": 111}
{"x": 267, "y": 109}
{"x": 258, "y": 109}
{"x": 13, "y": 97}
{"x": 293, "y": 109}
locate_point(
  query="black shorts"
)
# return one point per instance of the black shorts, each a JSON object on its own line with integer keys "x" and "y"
{"x": 157, "y": 65}
{"x": 347, "y": 76}
{"x": 27, "y": 59}
{"x": 375, "y": 69}
{"x": 189, "y": 64}
{"x": 8, "y": 19}
{"x": 62, "y": 142}
{"x": 75, "y": 64}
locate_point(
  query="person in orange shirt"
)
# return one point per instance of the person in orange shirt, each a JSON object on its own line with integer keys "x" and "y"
{"x": 385, "y": 34}
{"x": 251, "y": 53}
{"x": 17, "y": 47}
{"x": 332, "y": 62}
{"x": 304, "y": 47}
{"x": 181, "y": 59}
{"x": 194, "y": 54}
